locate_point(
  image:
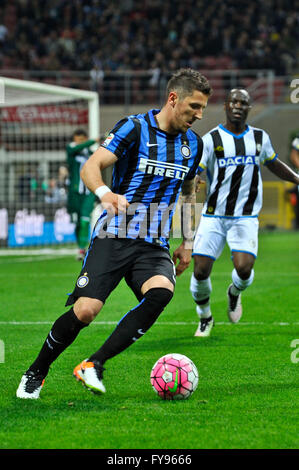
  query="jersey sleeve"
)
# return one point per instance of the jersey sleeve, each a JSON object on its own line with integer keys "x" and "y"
{"x": 121, "y": 138}
{"x": 295, "y": 143}
{"x": 207, "y": 152}
{"x": 267, "y": 154}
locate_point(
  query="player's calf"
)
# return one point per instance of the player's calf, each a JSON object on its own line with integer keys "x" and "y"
{"x": 63, "y": 332}
{"x": 134, "y": 324}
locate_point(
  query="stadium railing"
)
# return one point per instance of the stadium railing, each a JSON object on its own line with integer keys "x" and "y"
{"x": 147, "y": 87}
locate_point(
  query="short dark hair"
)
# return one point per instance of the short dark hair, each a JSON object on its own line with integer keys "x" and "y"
{"x": 241, "y": 89}
{"x": 185, "y": 81}
{"x": 79, "y": 132}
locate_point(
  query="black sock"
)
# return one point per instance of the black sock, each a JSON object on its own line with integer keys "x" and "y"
{"x": 63, "y": 333}
{"x": 134, "y": 324}
{"x": 202, "y": 302}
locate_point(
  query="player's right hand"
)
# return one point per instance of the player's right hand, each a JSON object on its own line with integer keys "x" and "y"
{"x": 114, "y": 203}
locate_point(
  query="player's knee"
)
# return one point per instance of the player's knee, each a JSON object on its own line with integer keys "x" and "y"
{"x": 157, "y": 298}
{"x": 243, "y": 264}
{"x": 243, "y": 270}
{"x": 202, "y": 267}
{"x": 201, "y": 272}
{"x": 87, "y": 309}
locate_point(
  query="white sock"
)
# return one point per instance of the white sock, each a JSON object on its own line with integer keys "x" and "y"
{"x": 234, "y": 291}
{"x": 201, "y": 290}
{"x": 204, "y": 311}
{"x": 240, "y": 284}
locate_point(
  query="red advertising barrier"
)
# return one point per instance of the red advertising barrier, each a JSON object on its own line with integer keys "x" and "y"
{"x": 47, "y": 114}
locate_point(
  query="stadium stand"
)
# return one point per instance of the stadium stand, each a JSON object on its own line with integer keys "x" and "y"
{"x": 158, "y": 34}
{"x": 125, "y": 51}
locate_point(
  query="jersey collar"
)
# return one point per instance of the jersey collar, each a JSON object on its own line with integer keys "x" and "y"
{"x": 234, "y": 135}
{"x": 151, "y": 114}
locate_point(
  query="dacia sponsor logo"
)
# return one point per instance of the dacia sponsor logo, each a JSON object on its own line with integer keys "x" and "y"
{"x": 238, "y": 160}
{"x": 156, "y": 168}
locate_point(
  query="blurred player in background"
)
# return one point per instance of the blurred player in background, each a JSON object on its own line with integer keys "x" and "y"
{"x": 80, "y": 201}
{"x": 155, "y": 157}
{"x": 232, "y": 157}
{"x": 294, "y": 158}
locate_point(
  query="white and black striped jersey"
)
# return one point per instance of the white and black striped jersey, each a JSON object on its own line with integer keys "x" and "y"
{"x": 232, "y": 162}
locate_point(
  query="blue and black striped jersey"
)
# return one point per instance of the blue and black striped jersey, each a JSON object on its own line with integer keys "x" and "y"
{"x": 149, "y": 172}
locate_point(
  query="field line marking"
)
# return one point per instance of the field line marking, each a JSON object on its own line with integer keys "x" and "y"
{"x": 29, "y": 259}
{"x": 38, "y": 252}
{"x": 178, "y": 323}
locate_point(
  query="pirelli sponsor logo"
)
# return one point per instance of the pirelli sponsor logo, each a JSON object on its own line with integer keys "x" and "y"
{"x": 238, "y": 160}
{"x": 169, "y": 170}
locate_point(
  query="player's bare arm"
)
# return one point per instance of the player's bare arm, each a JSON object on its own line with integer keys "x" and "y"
{"x": 184, "y": 252}
{"x": 283, "y": 171}
{"x": 198, "y": 181}
{"x": 91, "y": 175}
{"x": 188, "y": 199}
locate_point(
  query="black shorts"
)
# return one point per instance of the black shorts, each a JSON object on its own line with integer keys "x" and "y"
{"x": 109, "y": 260}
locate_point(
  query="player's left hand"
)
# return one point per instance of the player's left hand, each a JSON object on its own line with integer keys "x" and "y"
{"x": 183, "y": 253}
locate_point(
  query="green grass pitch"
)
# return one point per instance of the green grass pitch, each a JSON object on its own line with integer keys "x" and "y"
{"x": 248, "y": 389}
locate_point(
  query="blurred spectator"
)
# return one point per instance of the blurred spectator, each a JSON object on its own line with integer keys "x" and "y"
{"x": 24, "y": 187}
{"x": 52, "y": 195}
{"x": 105, "y": 35}
{"x": 97, "y": 77}
{"x": 56, "y": 192}
{"x": 30, "y": 186}
{"x": 3, "y": 32}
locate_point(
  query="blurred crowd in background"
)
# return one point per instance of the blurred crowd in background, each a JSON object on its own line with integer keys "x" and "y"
{"x": 109, "y": 35}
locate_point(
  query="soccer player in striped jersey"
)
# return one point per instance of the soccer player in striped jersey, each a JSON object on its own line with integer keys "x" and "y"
{"x": 80, "y": 201}
{"x": 155, "y": 157}
{"x": 232, "y": 157}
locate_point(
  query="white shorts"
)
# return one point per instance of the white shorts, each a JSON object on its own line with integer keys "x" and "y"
{"x": 240, "y": 233}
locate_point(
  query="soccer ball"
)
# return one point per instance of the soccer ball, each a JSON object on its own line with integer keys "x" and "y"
{"x": 174, "y": 377}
